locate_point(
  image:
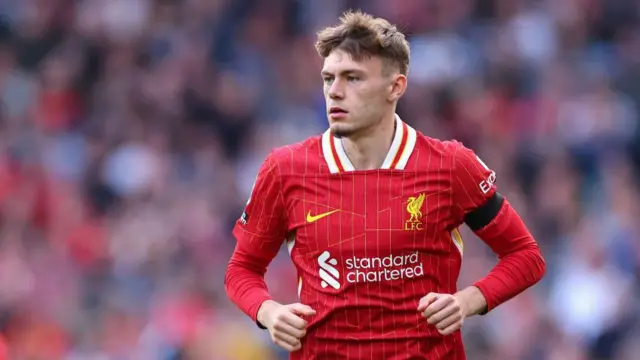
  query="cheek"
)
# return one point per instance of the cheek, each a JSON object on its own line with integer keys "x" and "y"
{"x": 372, "y": 99}
{"x": 366, "y": 93}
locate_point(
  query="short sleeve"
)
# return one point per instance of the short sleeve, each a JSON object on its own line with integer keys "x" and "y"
{"x": 263, "y": 223}
{"x": 473, "y": 182}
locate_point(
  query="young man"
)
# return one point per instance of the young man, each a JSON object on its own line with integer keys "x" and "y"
{"x": 370, "y": 212}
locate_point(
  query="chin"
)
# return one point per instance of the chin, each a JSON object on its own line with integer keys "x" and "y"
{"x": 341, "y": 131}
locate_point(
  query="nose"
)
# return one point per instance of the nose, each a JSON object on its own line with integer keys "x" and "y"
{"x": 336, "y": 90}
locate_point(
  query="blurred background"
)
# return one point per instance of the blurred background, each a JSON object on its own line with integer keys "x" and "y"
{"x": 131, "y": 132}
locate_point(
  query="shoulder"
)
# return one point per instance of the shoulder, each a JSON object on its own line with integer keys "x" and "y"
{"x": 297, "y": 157}
{"x": 445, "y": 150}
{"x": 450, "y": 147}
{"x": 442, "y": 146}
{"x": 451, "y": 156}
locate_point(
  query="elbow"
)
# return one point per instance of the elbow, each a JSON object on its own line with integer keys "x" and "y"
{"x": 228, "y": 278}
{"x": 533, "y": 263}
{"x": 239, "y": 272}
{"x": 232, "y": 275}
{"x": 529, "y": 261}
{"x": 539, "y": 264}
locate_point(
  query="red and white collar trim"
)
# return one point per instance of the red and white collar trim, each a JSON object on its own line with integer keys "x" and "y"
{"x": 404, "y": 141}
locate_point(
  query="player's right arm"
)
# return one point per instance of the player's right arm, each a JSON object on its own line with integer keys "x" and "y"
{"x": 259, "y": 233}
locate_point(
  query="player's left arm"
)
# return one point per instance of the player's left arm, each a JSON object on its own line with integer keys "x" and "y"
{"x": 491, "y": 217}
{"x": 496, "y": 222}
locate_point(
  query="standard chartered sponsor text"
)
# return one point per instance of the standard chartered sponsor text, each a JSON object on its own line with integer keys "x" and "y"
{"x": 388, "y": 268}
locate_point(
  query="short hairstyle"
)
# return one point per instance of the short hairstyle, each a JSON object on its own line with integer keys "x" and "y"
{"x": 362, "y": 36}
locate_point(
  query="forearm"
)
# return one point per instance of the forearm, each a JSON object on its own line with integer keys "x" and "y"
{"x": 245, "y": 285}
{"x": 521, "y": 263}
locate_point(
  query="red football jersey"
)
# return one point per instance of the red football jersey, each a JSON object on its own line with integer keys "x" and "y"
{"x": 367, "y": 245}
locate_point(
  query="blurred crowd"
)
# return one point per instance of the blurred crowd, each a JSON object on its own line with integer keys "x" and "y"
{"x": 131, "y": 132}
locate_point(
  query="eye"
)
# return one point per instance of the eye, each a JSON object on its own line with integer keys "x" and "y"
{"x": 352, "y": 78}
{"x": 328, "y": 80}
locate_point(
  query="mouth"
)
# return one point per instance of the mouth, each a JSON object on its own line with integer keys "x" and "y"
{"x": 334, "y": 110}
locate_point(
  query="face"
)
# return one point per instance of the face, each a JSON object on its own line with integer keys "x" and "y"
{"x": 358, "y": 94}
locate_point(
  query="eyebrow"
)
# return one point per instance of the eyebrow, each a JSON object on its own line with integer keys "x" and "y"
{"x": 343, "y": 72}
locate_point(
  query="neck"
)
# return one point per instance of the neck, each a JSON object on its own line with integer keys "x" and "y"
{"x": 368, "y": 150}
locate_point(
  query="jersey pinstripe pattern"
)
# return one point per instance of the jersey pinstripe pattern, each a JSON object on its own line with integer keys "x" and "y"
{"x": 390, "y": 237}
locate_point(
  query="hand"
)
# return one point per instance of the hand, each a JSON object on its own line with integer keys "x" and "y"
{"x": 445, "y": 311}
{"x": 284, "y": 323}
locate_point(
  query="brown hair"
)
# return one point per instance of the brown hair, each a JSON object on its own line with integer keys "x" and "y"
{"x": 362, "y": 36}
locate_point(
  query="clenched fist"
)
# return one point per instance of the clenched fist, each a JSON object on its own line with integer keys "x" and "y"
{"x": 284, "y": 323}
{"x": 445, "y": 311}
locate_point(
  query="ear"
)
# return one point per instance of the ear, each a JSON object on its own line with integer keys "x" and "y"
{"x": 397, "y": 88}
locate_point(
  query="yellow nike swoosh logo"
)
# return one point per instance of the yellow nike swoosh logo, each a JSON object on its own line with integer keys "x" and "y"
{"x": 315, "y": 218}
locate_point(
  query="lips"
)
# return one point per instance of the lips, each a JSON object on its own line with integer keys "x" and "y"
{"x": 337, "y": 110}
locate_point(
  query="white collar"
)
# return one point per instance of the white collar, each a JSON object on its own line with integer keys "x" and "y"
{"x": 402, "y": 146}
